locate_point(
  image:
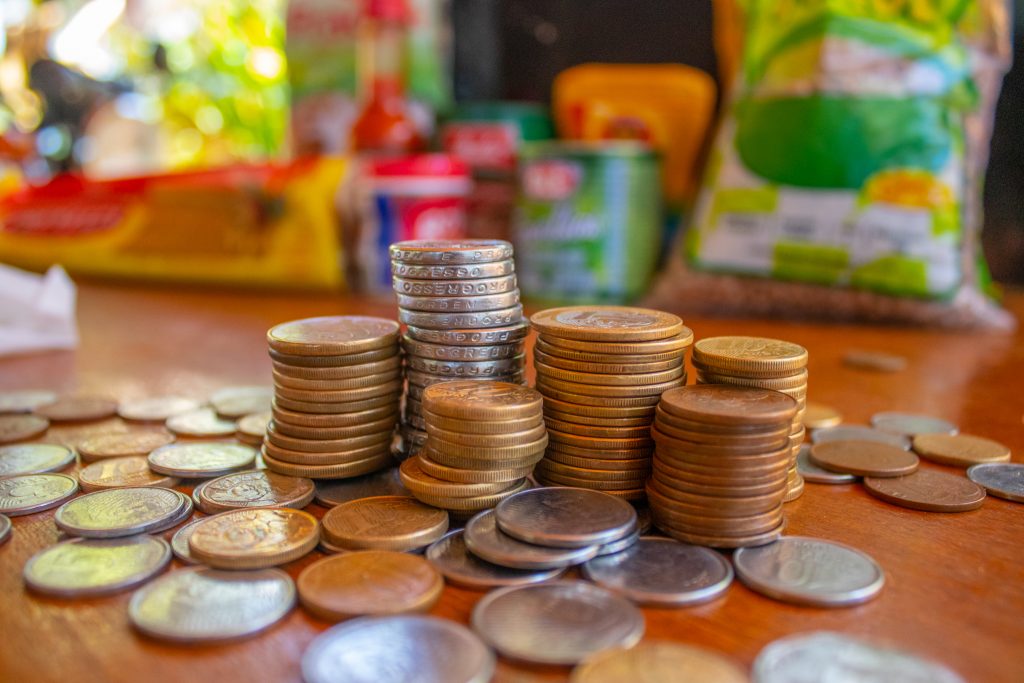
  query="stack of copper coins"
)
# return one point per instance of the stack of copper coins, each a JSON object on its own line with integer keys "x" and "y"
{"x": 721, "y": 462}
{"x": 484, "y": 439}
{"x": 602, "y": 370}
{"x": 766, "y": 364}
{"x": 460, "y": 301}
{"x": 337, "y": 388}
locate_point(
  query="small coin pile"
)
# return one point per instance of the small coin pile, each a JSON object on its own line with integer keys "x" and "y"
{"x": 602, "y": 370}
{"x": 337, "y": 388}
{"x": 765, "y": 364}
{"x": 483, "y": 440}
{"x": 460, "y": 302}
{"x": 721, "y": 464}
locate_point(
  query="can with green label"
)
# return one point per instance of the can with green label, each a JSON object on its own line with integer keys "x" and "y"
{"x": 588, "y": 221}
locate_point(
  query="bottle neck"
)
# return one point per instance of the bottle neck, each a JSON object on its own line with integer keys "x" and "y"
{"x": 380, "y": 56}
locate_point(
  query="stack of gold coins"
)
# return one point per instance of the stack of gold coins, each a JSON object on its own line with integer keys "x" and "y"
{"x": 720, "y": 465}
{"x": 766, "y": 364}
{"x": 602, "y": 370}
{"x": 460, "y": 301}
{"x": 483, "y": 440}
{"x": 337, "y": 389}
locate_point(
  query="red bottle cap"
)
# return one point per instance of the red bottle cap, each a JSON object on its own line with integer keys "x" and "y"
{"x": 396, "y": 11}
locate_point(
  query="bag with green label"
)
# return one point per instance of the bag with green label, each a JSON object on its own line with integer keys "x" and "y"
{"x": 845, "y": 179}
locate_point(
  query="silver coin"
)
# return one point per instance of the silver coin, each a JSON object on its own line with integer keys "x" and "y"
{"x": 824, "y": 656}
{"x": 619, "y": 545}
{"x": 515, "y": 332}
{"x": 464, "y": 369}
{"x": 1002, "y": 479}
{"x": 911, "y": 424}
{"x": 447, "y": 321}
{"x": 563, "y": 517}
{"x": 809, "y": 571}
{"x": 473, "y": 271}
{"x": 421, "y": 380}
{"x": 485, "y": 540}
{"x": 859, "y": 433}
{"x": 179, "y": 542}
{"x": 157, "y": 408}
{"x": 85, "y": 567}
{"x": 560, "y": 622}
{"x": 452, "y": 558}
{"x": 461, "y": 353}
{"x": 811, "y": 472}
{"x": 201, "y": 604}
{"x": 121, "y": 512}
{"x": 5, "y": 529}
{"x": 33, "y": 458}
{"x": 25, "y": 401}
{"x": 397, "y": 650}
{"x": 662, "y": 571}
{"x": 455, "y": 287}
{"x": 465, "y": 304}
{"x": 201, "y": 459}
{"x": 450, "y": 252}
{"x": 27, "y": 493}
{"x": 333, "y": 492}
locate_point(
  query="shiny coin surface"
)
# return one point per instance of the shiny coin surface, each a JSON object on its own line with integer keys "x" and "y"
{"x": 5, "y": 529}
{"x": 928, "y": 490}
{"x": 809, "y": 571}
{"x": 32, "y": 458}
{"x": 449, "y": 252}
{"x": 728, "y": 405}
{"x": 482, "y": 400}
{"x": 959, "y": 450}
{"x": 25, "y": 494}
{"x": 156, "y": 408}
{"x": 515, "y": 331}
{"x": 386, "y": 482}
{"x": 384, "y": 523}
{"x": 398, "y": 649}
{"x": 864, "y": 458}
{"x": 606, "y": 323}
{"x": 85, "y": 567}
{"x": 122, "y": 512}
{"x": 820, "y": 416}
{"x": 121, "y": 445}
{"x": 179, "y": 542}
{"x": 486, "y": 540}
{"x": 254, "y": 538}
{"x": 473, "y": 271}
{"x": 255, "y": 489}
{"x": 859, "y": 433}
{"x": 452, "y": 558}
{"x": 563, "y": 517}
{"x": 369, "y": 582}
{"x": 1003, "y": 480}
{"x": 521, "y": 621}
{"x": 441, "y": 304}
{"x": 21, "y": 427}
{"x": 659, "y": 662}
{"x": 753, "y": 356}
{"x": 25, "y": 401}
{"x": 836, "y": 657}
{"x": 333, "y": 335}
{"x": 232, "y": 403}
{"x": 812, "y": 473}
{"x": 78, "y": 409}
{"x": 339, "y": 361}
{"x": 661, "y": 571}
{"x": 911, "y": 424}
{"x": 202, "y": 604}
{"x": 201, "y": 459}
{"x": 506, "y": 317}
{"x": 201, "y": 423}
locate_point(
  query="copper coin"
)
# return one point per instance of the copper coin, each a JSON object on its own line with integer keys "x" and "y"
{"x": 661, "y": 662}
{"x": 631, "y": 379}
{"x": 605, "y": 366}
{"x": 591, "y": 421}
{"x": 417, "y": 481}
{"x": 864, "y": 458}
{"x": 710, "y": 430}
{"x": 387, "y": 482}
{"x": 607, "y": 432}
{"x": 254, "y": 538}
{"x": 928, "y": 490}
{"x": 33, "y": 458}
{"x": 469, "y": 475}
{"x": 330, "y": 471}
{"x": 732, "y": 488}
{"x": 645, "y": 401}
{"x": 338, "y": 373}
{"x": 959, "y": 450}
{"x": 276, "y": 441}
{"x": 765, "y": 441}
{"x": 599, "y": 412}
{"x": 129, "y": 471}
{"x": 336, "y": 385}
{"x": 488, "y": 441}
{"x": 753, "y": 356}
{"x": 122, "y": 445}
{"x": 384, "y": 523}
{"x": 253, "y": 426}
{"x": 608, "y": 391}
{"x": 338, "y": 361}
{"x": 25, "y": 400}
{"x": 465, "y": 426}
{"x": 155, "y": 409}
{"x": 606, "y": 323}
{"x": 725, "y": 469}
{"x": 706, "y": 375}
{"x": 728, "y": 404}
{"x": 385, "y": 425}
{"x": 612, "y": 353}
{"x": 482, "y": 400}
{"x": 735, "y": 505}
{"x": 255, "y": 489}
{"x": 333, "y": 335}
{"x": 338, "y": 457}
{"x": 820, "y": 416}
{"x": 681, "y": 448}
{"x": 78, "y": 409}
{"x": 334, "y": 420}
{"x": 21, "y": 427}
{"x": 597, "y": 463}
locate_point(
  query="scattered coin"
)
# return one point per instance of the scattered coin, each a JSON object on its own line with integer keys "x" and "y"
{"x": 864, "y": 458}
{"x": 521, "y": 621}
{"x": 33, "y": 458}
{"x": 911, "y": 424}
{"x": 233, "y": 403}
{"x": 5, "y": 529}
{"x": 369, "y": 582}
{"x": 820, "y": 416}
{"x": 812, "y": 473}
{"x": 253, "y": 427}
{"x": 1003, "y": 480}
{"x": 179, "y": 542}
{"x": 201, "y": 604}
{"x": 123, "y": 512}
{"x": 85, "y": 567}
{"x": 255, "y": 489}
{"x": 396, "y": 650}
{"x": 619, "y": 545}
{"x": 809, "y": 571}
{"x": 121, "y": 445}
{"x": 659, "y": 662}
{"x": 874, "y": 360}
{"x": 859, "y": 433}
{"x": 959, "y": 450}
{"x": 201, "y": 459}
{"x": 386, "y": 482}
{"x": 485, "y": 540}
{"x": 565, "y": 517}
{"x": 254, "y": 538}
{"x": 25, "y": 401}
{"x": 127, "y": 472}
{"x": 837, "y": 657}
{"x": 452, "y": 558}
{"x": 928, "y": 490}
{"x": 156, "y": 408}
{"x": 202, "y": 423}
{"x": 25, "y": 494}
{"x": 78, "y": 409}
{"x": 384, "y": 523}
{"x": 21, "y": 427}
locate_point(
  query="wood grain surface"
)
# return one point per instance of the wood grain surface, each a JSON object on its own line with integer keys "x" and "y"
{"x": 954, "y": 582}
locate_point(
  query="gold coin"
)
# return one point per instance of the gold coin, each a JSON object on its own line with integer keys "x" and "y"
{"x": 201, "y": 459}
{"x": 129, "y": 471}
{"x": 21, "y": 427}
{"x": 333, "y": 335}
{"x": 389, "y": 400}
{"x": 638, "y": 432}
{"x": 122, "y": 445}
{"x": 794, "y": 489}
{"x": 78, "y": 409}
{"x": 336, "y": 385}
{"x": 334, "y": 471}
{"x": 605, "y": 367}
{"x": 156, "y": 408}
{"x": 659, "y": 661}
{"x": 328, "y": 458}
{"x": 478, "y": 463}
{"x": 820, "y": 416}
{"x": 26, "y": 494}
{"x": 335, "y": 420}
{"x": 383, "y": 388}
{"x": 606, "y": 454}
{"x": 471, "y": 476}
{"x": 599, "y": 411}
{"x": 604, "y": 401}
{"x": 34, "y": 458}
{"x": 345, "y": 445}
{"x": 606, "y": 323}
{"x": 602, "y": 356}
{"x": 632, "y": 477}
{"x": 619, "y": 380}
{"x": 472, "y": 399}
{"x": 729, "y": 405}
{"x": 369, "y": 582}
{"x": 339, "y": 361}
{"x": 612, "y": 351}
{"x": 528, "y": 449}
{"x": 387, "y": 425}
{"x": 959, "y": 450}
{"x": 750, "y": 356}
{"x": 338, "y": 373}
{"x": 418, "y": 481}
{"x": 254, "y": 425}
{"x": 487, "y": 441}
{"x": 254, "y": 538}
{"x": 384, "y": 523}
{"x": 86, "y": 567}
{"x": 482, "y": 427}
{"x": 598, "y": 463}
{"x": 255, "y": 489}
{"x": 200, "y": 423}
{"x": 470, "y": 503}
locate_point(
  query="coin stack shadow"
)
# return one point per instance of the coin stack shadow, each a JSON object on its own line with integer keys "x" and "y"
{"x": 334, "y": 416}
{"x": 599, "y": 401}
{"x": 765, "y": 364}
{"x": 460, "y": 302}
{"x": 477, "y": 453}
{"x": 719, "y": 475}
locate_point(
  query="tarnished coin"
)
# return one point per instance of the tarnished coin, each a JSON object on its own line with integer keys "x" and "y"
{"x": 202, "y": 604}
{"x": 179, "y": 542}
{"x": 751, "y": 356}
{"x": 25, "y": 494}
{"x": 659, "y": 662}
{"x": 78, "y": 409}
{"x": 201, "y": 459}
{"x": 122, "y": 512}
{"x": 452, "y": 558}
{"x": 253, "y": 427}
{"x": 820, "y": 416}
{"x": 384, "y": 523}
{"x": 450, "y": 252}
{"x": 809, "y": 571}
{"x": 728, "y": 405}
{"x": 369, "y": 582}
{"x": 811, "y": 472}
{"x": 5, "y": 529}
{"x": 606, "y": 323}
{"x": 333, "y": 335}
{"x": 864, "y": 458}
{"x": 255, "y": 489}
{"x": 397, "y": 650}
{"x": 1003, "y": 480}
{"x": 201, "y": 423}
{"x": 334, "y": 492}
{"x": 514, "y": 332}
{"x": 254, "y": 538}
{"x": 33, "y": 458}
{"x": 156, "y": 408}
{"x": 959, "y": 450}
{"x": 859, "y": 433}
{"x": 661, "y": 571}
{"x": 122, "y": 445}
{"x": 25, "y": 401}
{"x": 85, "y": 567}
{"x": 928, "y": 490}
{"x": 565, "y": 517}
{"x": 520, "y": 621}
{"x": 826, "y": 656}
{"x": 911, "y": 424}
{"x": 487, "y": 541}
{"x": 21, "y": 427}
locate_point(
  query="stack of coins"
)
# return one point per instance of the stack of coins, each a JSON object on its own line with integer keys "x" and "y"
{"x": 337, "y": 389}
{"x": 602, "y": 370}
{"x": 721, "y": 463}
{"x": 762, "y": 363}
{"x": 483, "y": 440}
{"x": 460, "y": 301}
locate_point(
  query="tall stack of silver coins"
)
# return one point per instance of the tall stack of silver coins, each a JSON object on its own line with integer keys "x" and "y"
{"x": 460, "y": 303}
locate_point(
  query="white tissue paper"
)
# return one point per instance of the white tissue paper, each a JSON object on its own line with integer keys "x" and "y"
{"x": 37, "y": 312}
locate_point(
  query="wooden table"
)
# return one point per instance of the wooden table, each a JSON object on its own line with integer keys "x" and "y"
{"x": 954, "y": 582}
